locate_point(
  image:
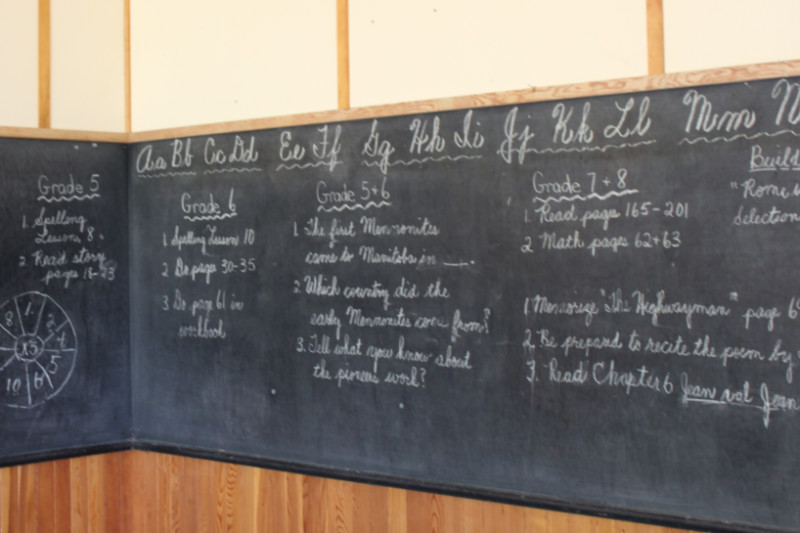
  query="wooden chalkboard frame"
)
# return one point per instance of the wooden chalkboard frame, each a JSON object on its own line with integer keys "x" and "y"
{"x": 735, "y": 74}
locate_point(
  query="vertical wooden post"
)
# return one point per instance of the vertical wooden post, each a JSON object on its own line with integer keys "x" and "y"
{"x": 127, "y": 38}
{"x": 44, "y": 63}
{"x": 343, "y": 53}
{"x": 655, "y": 36}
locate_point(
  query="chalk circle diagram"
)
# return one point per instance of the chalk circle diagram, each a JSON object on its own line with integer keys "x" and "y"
{"x": 38, "y": 347}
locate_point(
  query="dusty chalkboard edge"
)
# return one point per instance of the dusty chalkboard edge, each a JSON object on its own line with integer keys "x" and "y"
{"x": 674, "y": 80}
{"x": 461, "y": 491}
{"x": 66, "y": 453}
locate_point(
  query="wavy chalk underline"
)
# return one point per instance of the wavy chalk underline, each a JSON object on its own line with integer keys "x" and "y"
{"x": 592, "y": 196}
{"x": 301, "y": 166}
{"x": 224, "y": 170}
{"x": 590, "y": 148}
{"x": 353, "y": 207}
{"x": 209, "y": 217}
{"x": 722, "y": 138}
{"x": 774, "y": 168}
{"x": 74, "y": 197}
{"x": 170, "y": 174}
{"x": 410, "y": 162}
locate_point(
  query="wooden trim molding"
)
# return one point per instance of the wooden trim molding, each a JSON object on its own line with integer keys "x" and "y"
{"x": 127, "y": 38}
{"x": 44, "y": 64}
{"x": 655, "y": 36}
{"x": 63, "y": 135}
{"x": 343, "y": 52}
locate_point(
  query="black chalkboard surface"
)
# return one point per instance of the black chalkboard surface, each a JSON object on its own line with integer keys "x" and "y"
{"x": 64, "y": 334}
{"x": 590, "y": 304}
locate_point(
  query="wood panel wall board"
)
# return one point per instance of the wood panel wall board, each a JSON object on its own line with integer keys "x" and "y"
{"x": 78, "y": 489}
{"x": 96, "y": 494}
{"x": 315, "y": 505}
{"x": 62, "y": 497}
{"x": 190, "y": 486}
{"x": 138, "y": 491}
{"x": 273, "y": 497}
{"x": 397, "y": 510}
{"x": 12, "y": 515}
{"x": 28, "y": 485}
{"x": 371, "y": 508}
{"x": 169, "y": 498}
{"x": 46, "y": 497}
{"x": 424, "y": 511}
{"x": 295, "y": 499}
{"x": 243, "y": 505}
{"x": 140, "y": 495}
{"x": 205, "y": 496}
{"x": 5, "y": 495}
{"x": 113, "y": 500}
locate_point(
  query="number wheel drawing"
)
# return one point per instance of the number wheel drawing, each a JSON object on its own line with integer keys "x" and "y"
{"x": 38, "y": 347}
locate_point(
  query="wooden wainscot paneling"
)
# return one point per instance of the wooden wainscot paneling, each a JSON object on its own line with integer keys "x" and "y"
{"x": 70, "y": 495}
{"x": 135, "y": 492}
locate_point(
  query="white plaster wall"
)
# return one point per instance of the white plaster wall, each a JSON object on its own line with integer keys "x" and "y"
{"x": 208, "y": 61}
{"x": 19, "y": 63}
{"x": 201, "y": 61}
{"x": 420, "y": 49}
{"x": 703, "y": 34}
{"x": 88, "y": 64}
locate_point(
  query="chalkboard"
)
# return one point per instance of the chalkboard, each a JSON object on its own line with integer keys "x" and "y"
{"x": 64, "y": 306}
{"x": 590, "y": 303}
